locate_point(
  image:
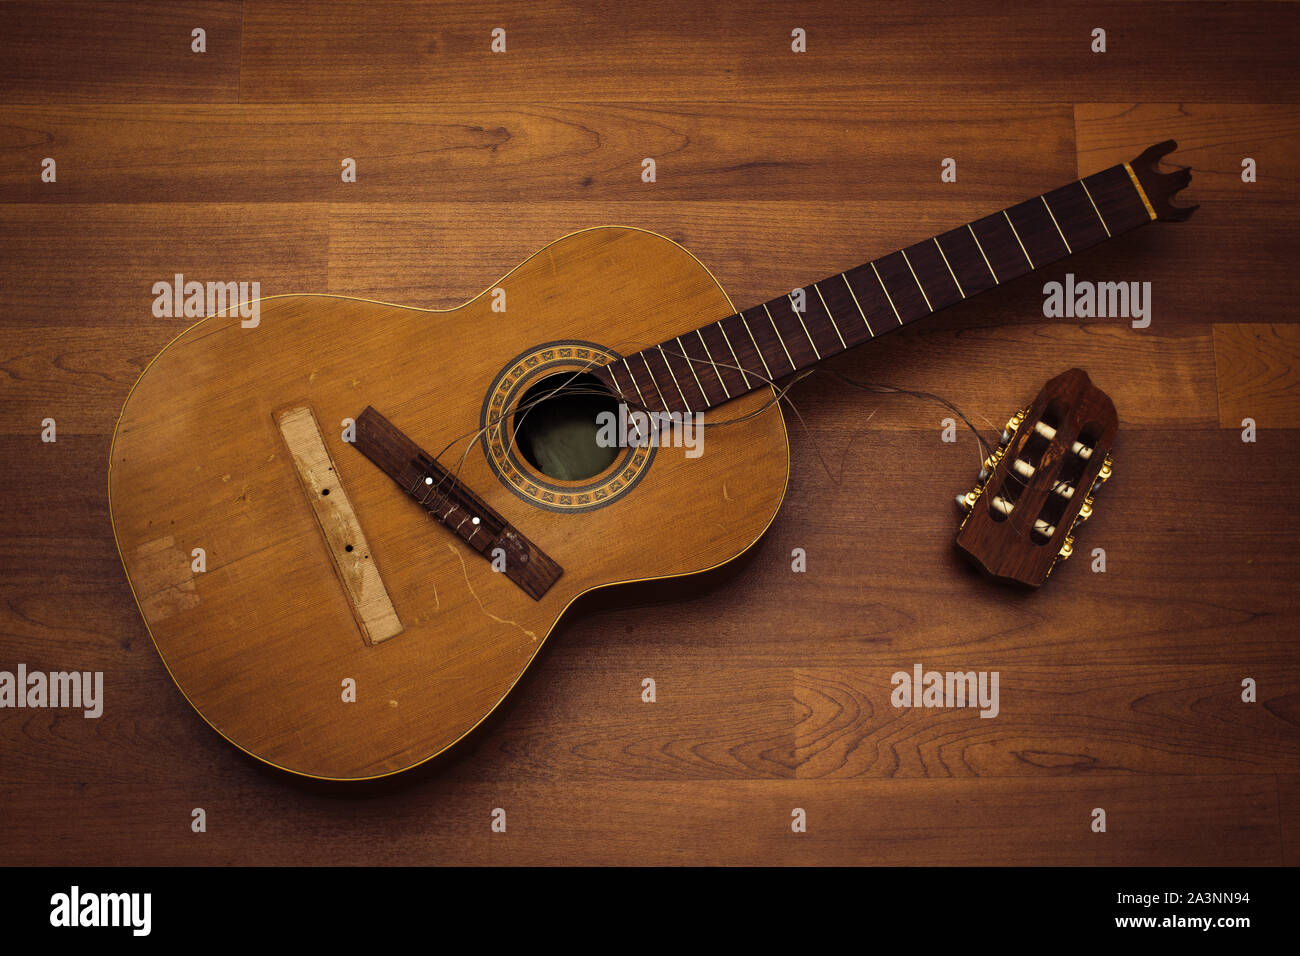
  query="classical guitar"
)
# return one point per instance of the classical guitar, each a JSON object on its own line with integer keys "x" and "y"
{"x": 350, "y": 526}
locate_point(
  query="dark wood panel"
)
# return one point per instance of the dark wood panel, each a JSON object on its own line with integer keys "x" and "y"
{"x": 1213, "y": 139}
{"x": 1207, "y": 820}
{"x": 490, "y": 150}
{"x": 98, "y": 51}
{"x": 856, "y": 52}
{"x": 1288, "y": 786}
{"x": 1258, "y": 368}
{"x": 92, "y": 268}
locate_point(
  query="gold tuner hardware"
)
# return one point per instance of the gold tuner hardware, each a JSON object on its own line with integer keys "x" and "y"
{"x": 967, "y": 501}
{"x": 1104, "y": 475}
{"x": 1085, "y": 510}
{"x": 1015, "y": 421}
{"x": 1067, "y": 548}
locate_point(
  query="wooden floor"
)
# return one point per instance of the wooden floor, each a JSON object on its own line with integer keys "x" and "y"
{"x": 1119, "y": 690}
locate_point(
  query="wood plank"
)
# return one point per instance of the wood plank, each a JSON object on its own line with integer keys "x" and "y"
{"x": 1054, "y": 721}
{"x": 495, "y": 151}
{"x": 1258, "y": 374}
{"x": 717, "y": 716}
{"x": 93, "y": 267}
{"x": 683, "y": 51}
{"x": 98, "y": 51}
{"x": 1213, "y": 139}
{"x": 1289, "y": 809}
{"x": 1206, "y": 820}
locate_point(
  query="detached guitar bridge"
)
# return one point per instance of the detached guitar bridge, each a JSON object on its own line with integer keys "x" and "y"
{"x": 453, "y": 505}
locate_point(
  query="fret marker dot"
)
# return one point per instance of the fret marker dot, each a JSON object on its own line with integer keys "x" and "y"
{"x": 475, "y": 521}
{"x": 428, "y": 481}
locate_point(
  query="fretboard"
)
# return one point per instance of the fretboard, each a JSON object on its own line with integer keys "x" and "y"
{"x": 768, "y": 342}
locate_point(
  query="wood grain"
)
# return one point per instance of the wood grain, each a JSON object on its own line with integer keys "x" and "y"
{"x": 1258, "y": 368}
{"x": 776, "y": 168}
{"x": 957, "y": 822}
{"x": 857, "y": 53}
{"x": 1213, "y": 138}
{"x": 92, "y": 51}
{"x": 490, "y": 150}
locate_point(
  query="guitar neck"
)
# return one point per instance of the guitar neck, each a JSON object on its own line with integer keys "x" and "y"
{"x": 763, "y": 344}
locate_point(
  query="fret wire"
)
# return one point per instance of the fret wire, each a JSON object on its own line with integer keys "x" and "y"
{"x": 619, "y": 389}
{"x": 756, "y": 348}
{"x": 779, "y": 337}
{"x": 950, "y": 272}
{"x": 727, "y": 338}
{"x": 916, "y": 280}
{"x": 690, "y": 363}
{"x": 805, "y": 327}
{"x": 653, "y": 381}
{"x": 1018, "y": 242}
{"x": 884, "y": 290}
{"x": 713, "y": 365}
{"x": 613, "y": 381}
{"x": 663, "y": 356}
{"x": 644, "y": 403}
{"x": 1057, "y": 225}
{"x": 835, "y": 325}
{"x": 984, "y": 257}
{"x": 1094, "y": 208}
{"x": 855, "y": 302}
{"x": 745, "y": 376}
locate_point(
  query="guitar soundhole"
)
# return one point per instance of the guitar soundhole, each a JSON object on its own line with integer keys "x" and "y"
{"x": 556, "y": 426}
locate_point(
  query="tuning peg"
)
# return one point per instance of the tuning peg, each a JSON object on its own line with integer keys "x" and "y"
{"x": 1103, "y": 476}
{"x": 1067, "y": 548}
{"x": 1015, "y": 421}
{"x": 967, "y": 501}
{"x": 1085, "y": 510}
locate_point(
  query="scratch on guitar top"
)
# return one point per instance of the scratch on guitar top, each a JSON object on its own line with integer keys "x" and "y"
{"x": 725, "y": 496}
{"x": 499, "y": 620}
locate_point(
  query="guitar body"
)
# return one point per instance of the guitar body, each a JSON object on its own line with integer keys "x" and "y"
{"x": 260, "y": 630}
